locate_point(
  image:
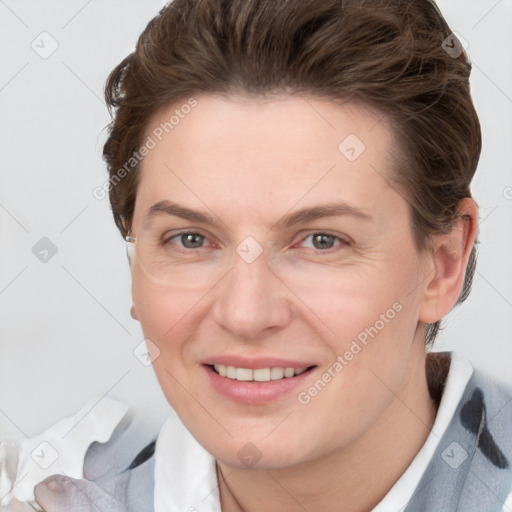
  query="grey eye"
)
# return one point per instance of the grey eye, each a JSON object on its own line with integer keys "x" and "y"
{"x": 191, "y": 240}
{"x": 323, "y": 240}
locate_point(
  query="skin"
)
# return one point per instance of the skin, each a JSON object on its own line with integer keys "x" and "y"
{"x": 248, "y": 162}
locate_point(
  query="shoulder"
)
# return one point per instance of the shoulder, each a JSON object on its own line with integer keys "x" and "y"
{"x": 472, "y": 467}
{"x": 94, "y": 458}
{"x": 484, "y": 417}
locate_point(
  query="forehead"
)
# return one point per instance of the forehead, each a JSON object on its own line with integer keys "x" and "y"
{"x": 307, "y": 125}
{"x": 240, "y": 151}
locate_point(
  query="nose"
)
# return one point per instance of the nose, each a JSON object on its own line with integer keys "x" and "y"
{"x": 252, "y": 301}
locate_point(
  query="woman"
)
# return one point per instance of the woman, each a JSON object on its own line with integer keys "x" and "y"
{"x": 293, "y": 183}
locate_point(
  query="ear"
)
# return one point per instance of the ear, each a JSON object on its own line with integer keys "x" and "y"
{"x": 446, "y": 263}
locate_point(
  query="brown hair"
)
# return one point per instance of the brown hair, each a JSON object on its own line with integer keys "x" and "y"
{"x": 395, "y": 56}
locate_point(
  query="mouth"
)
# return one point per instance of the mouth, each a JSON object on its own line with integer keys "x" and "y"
{"x": 258, "y": 374}
{"x": 257, "y": 386}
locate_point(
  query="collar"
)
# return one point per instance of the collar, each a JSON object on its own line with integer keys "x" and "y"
{"x": 185, "y": 476}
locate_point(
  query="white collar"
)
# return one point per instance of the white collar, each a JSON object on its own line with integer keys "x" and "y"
{"x": 186, "y": 479}
{"x": 185, "y": 475}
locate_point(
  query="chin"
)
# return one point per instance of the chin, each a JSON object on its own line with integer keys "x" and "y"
{"x": 259, "y": 455}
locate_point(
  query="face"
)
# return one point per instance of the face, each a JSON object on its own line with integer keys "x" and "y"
{"x": 276, "y": 272}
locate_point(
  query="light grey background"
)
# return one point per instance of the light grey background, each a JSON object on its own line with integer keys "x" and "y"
{"x": 65, "y": 329}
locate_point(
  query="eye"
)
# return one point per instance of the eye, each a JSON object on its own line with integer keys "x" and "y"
{"x": 322, "y": 241}
{"x": 187, "y": 240}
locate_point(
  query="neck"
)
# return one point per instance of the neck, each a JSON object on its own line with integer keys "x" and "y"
{"x": 354, "y": 478}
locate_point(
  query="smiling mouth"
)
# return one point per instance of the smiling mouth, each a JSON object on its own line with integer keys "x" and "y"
{"x": 259, "y": 374}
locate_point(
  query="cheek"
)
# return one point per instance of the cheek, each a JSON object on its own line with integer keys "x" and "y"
{"x": 160, "y": 307}
{"x": 362, "y": 300}
{"x": 374, "y": 328}
{"x": 371, "y": 314}
{"x": 167, "y": 316}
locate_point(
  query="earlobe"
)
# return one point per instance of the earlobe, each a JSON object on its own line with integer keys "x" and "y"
{"x": 133, "y": 313}
{"x": 448, "y": 260}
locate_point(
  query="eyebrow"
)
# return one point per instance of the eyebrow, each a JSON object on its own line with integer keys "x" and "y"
{"x": 171, "y": 208}
{"x": 301, "y": 216}
{"x": 322, "y": 211}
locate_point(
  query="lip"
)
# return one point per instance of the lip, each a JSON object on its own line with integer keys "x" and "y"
{"x": 253, "y": 363}
{"x": 256, "y": 393}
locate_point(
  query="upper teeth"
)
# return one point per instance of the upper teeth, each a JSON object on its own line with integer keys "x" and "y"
{"x": 259, "y": 375}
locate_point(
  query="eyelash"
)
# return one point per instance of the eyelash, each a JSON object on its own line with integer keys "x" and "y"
{"x": 341, "y": 241}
